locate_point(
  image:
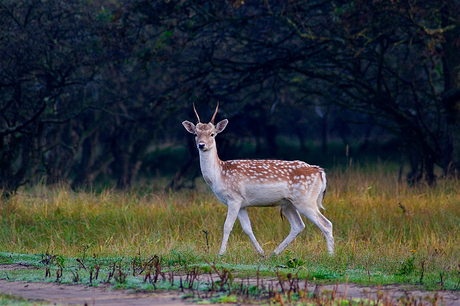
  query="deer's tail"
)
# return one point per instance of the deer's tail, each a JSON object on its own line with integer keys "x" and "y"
{"x": 323, "y": 189}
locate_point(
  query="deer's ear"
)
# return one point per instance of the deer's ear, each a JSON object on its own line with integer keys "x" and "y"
{"x": 220, "y": 126}
{"x": 190, "y": 127}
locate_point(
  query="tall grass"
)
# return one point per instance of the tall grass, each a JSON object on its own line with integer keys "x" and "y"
{"x": 382, "y": 221}
{"x": 379, "y": 224}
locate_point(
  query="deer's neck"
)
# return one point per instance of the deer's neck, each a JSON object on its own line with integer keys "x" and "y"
{"x": 210, "y": 167}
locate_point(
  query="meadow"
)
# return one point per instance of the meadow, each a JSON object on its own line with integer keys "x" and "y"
{"x": 385, "y": 231}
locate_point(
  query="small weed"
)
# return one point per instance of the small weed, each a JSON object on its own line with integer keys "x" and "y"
{"x": 76, "y": 277}
{"x": 292, "y": 262}
{"x": 4, "y": 260}
{"x": 222, "y": 299}
{"x": 407, "y": 267}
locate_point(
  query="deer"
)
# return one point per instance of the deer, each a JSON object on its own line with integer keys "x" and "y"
{"x": 295, "y": 186}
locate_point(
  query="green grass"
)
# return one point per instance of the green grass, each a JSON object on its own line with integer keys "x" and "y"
{"x": 10, "y": 300}
{"x": 385, "y": 231}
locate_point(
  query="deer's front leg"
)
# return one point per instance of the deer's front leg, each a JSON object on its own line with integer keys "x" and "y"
{"x": 232, "y": 214}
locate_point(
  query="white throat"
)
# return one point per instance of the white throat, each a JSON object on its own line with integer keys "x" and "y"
{"x": 210, "y": 167}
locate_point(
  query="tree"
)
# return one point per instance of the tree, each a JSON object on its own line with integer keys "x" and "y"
{"x": 403, "y": 57}
{"x": 390, "y": 61}
{"x": 49, "y": 51}
{"x": 88, "y": 89}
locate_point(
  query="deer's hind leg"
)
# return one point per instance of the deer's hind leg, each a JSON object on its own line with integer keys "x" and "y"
{"x": 311, "y": 211}
{"x": 297, "y": 226}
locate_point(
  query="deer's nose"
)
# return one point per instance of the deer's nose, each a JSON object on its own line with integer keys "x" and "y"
{"x": 201, "y": 145}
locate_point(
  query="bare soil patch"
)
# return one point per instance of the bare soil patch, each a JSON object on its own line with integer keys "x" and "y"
{"x": 64, "y": 294}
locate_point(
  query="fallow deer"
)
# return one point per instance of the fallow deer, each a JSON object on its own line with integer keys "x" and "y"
{"x": 295, "y": 186}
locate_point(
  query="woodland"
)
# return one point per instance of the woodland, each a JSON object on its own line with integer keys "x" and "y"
{"x": 95, "y": 91}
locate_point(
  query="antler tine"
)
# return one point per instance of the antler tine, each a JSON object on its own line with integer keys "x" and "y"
{"x": 215, "y": 113}
{"x": 196, "y": 113}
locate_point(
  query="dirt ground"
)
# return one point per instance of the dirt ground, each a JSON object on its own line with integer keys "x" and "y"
{"x": 62, "y": 294}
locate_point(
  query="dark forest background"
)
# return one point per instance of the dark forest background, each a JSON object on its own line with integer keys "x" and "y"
{"x": 95, "y": 91}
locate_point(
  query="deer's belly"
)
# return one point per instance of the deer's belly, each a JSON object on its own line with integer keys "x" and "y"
{"x": 265, "y": 195}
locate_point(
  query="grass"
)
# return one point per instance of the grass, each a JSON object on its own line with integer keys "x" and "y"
{"x": 10, "y": 300}
{"x": 385, "y": 231}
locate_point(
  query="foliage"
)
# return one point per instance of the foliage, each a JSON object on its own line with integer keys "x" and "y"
{"x": 400, "y": 54}
{"x": 92, "y": 91}
{"x": 292, "y": 262}
{"x": 407, "y": 266}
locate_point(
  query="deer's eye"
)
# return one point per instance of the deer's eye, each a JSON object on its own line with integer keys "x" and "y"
{"x": 212, "y": 134}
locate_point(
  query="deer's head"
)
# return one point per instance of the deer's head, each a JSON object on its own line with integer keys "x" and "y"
{"x": 205, "y": 133}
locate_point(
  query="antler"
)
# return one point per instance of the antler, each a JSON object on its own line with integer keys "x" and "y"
{"x": 196, "y": 113}
{"x": 215, "y": 113}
